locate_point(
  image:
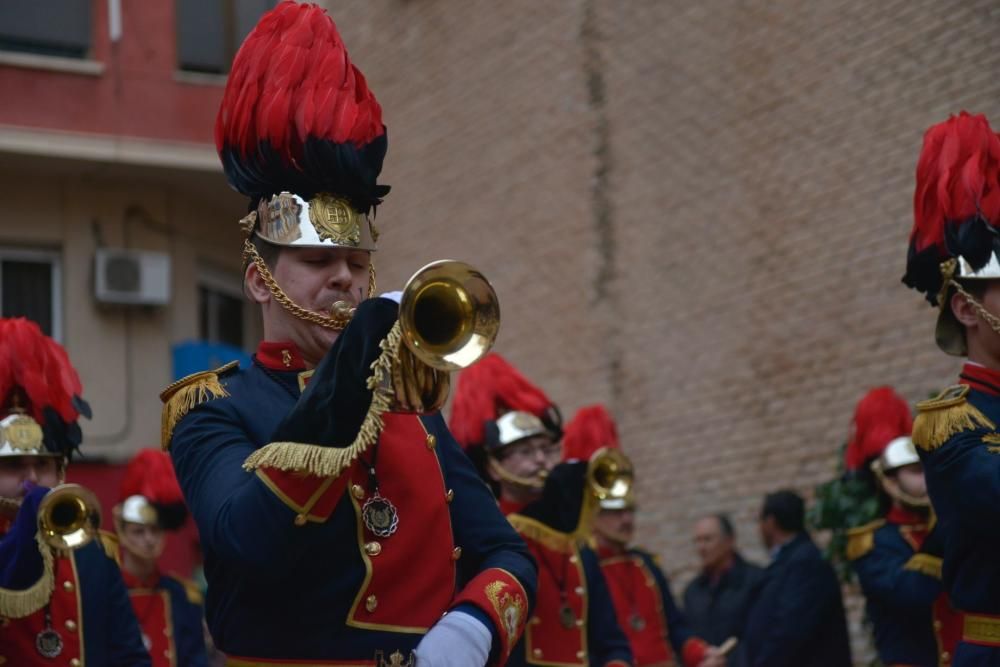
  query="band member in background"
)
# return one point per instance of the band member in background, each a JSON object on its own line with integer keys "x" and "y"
{"x": 509, "y": 428}
{"x": 168, "y": 607}
{"x": 321, "y": 474}
{"x": 953, "y": 260}
{"x": 656, "y": 629}
{"x": 911, "y": 619}
{"x": 60, "y": 603}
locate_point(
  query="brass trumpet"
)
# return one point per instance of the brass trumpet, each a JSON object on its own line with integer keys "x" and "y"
{"x": 69, "y": 516}
{"x": 610, "y": 478}
{"x": 449, "y": 315}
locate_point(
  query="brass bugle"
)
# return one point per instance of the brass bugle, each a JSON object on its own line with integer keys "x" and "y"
{"x": 449, "y": 315}
{"x": 69, "y": 516}
{"x": 609, "y": 476}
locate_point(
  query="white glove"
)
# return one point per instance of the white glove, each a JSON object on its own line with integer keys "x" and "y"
{"x": 396, "y": 296}
{"x": 457, "y": 640}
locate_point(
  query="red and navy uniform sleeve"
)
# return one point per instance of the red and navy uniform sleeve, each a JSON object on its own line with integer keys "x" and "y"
{"x": 111, "y": 634}
{"x": 884, "y": 575}
{"x": 497, "y": 575}
{"x": 189, "y": 634}
{"x": 692, "y": 649}
{"x": 607, "y": 644}
{"x": 240, "y": 517}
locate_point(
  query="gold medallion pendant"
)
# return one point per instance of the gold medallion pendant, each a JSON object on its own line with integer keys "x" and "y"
{"x": 566, "y": 617}
{"x": 380, "y": 516}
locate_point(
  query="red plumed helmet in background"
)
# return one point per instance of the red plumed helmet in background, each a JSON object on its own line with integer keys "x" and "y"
{"x": 592, "y": 428}
{"x": 297, "y": 115}
{"x": 880, "y": 417}
{"x": 488, "y": 389}
{"x": 150, "y": 475}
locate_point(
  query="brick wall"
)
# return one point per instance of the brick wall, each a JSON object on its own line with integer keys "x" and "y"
{"x": 695, "y": 212}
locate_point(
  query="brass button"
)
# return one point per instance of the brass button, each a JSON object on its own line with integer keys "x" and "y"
{"x": 579, "y": 622}
{"x": 945, "y": 656}
{"x": 300, "y": 520}
{"x": 456, "y": 553}
{"x": 580, "y": 654}
{"x": 937, "y": 625}
{"x": 371, "y": 602}
{"x": 431, "y": 441}
{"x": 71, "y": 625}
{"x": 68, "y": 586}
{"x": 535, "y": 620}
{"x": 373, "y": 548}
{"x": 537, "y": 653}
{"x": 573, "y": 559}
{"x": 166, "y": 654}
{"x": 168, "y": 631}
{"x": 450, "y": 496}
{"x": 75, "y": 662}
{"x": 3, "y": 660}
{"x": 357, "y": 491}
{"x": 579, "y": 590}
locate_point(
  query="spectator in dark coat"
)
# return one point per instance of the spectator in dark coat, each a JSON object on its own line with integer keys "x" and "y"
{"x": 717, "y": 600}
{"x": 797, "y": 615}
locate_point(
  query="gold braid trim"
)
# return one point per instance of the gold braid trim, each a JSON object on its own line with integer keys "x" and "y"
{"x": 340, "y": 317}
{"x": 942, "y": 417}
{"x": 925, "y": 564}
{"x": 331, "y": 461}
{"x": 861, "y": 540}
{"x": 537, "y": 531}
{"x": 18, "y": 604}
{"x": 182, "y": 396}
{"x": 109, "y": 543}
{"x": 980, "y": 309}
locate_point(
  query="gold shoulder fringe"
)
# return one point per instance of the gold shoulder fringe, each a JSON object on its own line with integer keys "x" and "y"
{"x": 324, "y": 461}
{"x": 861, "y": 540}
{"x": 942, "y": 417}
{"x": 539, "y": 532}
{"x": 183, "y": 395}
{"x": 925, "y": 564}
{"x": 109, "y": 542}
{"x": 18, "y": 604}
{"x": 191, "y": 589}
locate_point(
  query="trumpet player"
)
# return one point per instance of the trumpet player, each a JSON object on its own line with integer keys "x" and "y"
{"x": 62, "y": 599}
{"x": 341, "y": 523}
{"x": 168, "y": 607}
{"x": 656, "y": 628}
{"x": 509, "y": 428}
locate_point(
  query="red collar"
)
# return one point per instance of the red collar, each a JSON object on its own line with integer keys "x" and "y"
{"x": 133, "y": 582}
{"x": 509, "y": 507}
{"x": 905, "y": 517}
{"x": 604, "y": 551}
{"x": 980, "y": 378}
{"x": 280, "y": 356}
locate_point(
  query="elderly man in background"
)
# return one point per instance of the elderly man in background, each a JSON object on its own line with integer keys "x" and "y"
{"x": 716, "y": 601}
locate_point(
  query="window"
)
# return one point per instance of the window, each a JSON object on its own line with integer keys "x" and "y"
{"x": 209, "y": 32}
{"x": 50, "y": 28}
{"x": 30, "y": 286}
{"x": 220, "y": 309}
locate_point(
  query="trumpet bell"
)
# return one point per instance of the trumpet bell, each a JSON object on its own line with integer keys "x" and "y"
{"x": 449, "y": 315}
{"x": 69, "y": 516}
{"x": 610, "y": 477}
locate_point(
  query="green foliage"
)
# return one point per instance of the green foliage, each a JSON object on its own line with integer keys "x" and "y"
{"x": 846, "y": 502}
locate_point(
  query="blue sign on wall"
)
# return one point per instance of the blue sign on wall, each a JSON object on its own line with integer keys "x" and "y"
{"x": 196, "y": 356}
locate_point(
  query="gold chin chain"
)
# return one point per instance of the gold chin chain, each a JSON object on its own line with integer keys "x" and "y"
{"x": 337, "y": 321}
{"x": 980, "y": 309}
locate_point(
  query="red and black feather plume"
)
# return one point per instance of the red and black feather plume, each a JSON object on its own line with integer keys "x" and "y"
{"x": 956, "y": 203}
{"x": 880, "y": 417}
{"x": 150, "y": 474}
{"x": 297, "y": 115}
{"x": 592, "y": 428}
{"x": 488, "y": 389}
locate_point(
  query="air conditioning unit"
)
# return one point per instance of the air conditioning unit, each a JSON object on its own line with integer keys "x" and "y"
{"x": 132, "y": 277}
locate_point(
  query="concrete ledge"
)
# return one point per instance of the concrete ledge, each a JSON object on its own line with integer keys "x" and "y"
{"x": 52, "y": 63}
{"x": 108, "y": 148}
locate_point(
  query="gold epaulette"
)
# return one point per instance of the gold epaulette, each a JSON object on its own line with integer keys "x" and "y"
{"x": 183, "y": 395}
{"x": 925, "y": 564}
{"x": 940, "y": 418}
{"x": 109, "y": 542}
{"x": 861, "y": 540}
{"x": 191, "y": 589}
